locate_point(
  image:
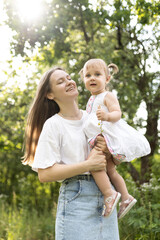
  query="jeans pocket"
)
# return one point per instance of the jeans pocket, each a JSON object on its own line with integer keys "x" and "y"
{"x": 73, "y": 190}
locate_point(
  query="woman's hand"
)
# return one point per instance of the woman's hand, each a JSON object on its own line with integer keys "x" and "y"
{"x": 96, "y": 161}
{"x": 102, "y": 146}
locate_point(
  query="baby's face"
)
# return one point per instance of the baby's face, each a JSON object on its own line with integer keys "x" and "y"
{"x": 95, "y": 79}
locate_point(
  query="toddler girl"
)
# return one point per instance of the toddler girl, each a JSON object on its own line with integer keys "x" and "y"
{"x": 124, "y": 142}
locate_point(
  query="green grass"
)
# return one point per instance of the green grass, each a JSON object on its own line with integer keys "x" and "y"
{"x": 22, "y": 224}
{"x": 26, "y": 221}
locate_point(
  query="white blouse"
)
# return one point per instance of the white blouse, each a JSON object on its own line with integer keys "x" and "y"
{"x": 61, "y": 141}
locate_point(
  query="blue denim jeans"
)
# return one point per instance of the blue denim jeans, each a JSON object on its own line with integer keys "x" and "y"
{"x": 79, "y": 212}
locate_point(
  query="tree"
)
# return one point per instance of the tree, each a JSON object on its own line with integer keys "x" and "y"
{"x": 70, "y": 32}
{"x": 13, "y": 109}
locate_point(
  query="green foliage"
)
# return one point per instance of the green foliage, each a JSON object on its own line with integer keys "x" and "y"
{"x": 143, "y": 220}
{"x": 147, "y": 11}
{"x": 72, "y": 32}
{"x": 69, "y": 33}
{"x": 15, "y": 178}
{"x": 32, "y": 194}
{"x": 13, "y": 109}
{"x": 21, "y": 224}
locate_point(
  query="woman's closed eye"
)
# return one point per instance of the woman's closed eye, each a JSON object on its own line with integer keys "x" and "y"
{"x": 60, "y": 81}
{"x": 68, "y": 77}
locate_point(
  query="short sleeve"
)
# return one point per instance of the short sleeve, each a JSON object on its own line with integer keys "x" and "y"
{"x": 48, "y": 149}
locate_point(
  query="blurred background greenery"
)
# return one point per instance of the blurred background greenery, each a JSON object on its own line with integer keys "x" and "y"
{"x": 66, "y": 33}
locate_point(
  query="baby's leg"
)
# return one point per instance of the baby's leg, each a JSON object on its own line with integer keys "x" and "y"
{"x": 117, "y": 179}
{"x": 101, "y": 178}
{"x": 103, "y": 182}
{"x": 111, "y": 197}
{"x": 127, "y": 200}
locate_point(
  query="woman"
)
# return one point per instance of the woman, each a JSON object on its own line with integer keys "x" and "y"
{"x": 57, "y": 148}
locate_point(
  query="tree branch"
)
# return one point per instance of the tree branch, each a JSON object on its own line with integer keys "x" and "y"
{"x": 87, "y": 38}
{"x": 119, "y": 37}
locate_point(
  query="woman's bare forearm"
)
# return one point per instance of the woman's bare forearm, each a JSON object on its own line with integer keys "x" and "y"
{"x": 61, "y": 171}
{"x": 96, "y": 161}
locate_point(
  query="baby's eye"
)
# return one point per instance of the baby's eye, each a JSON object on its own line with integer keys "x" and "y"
{"x": 88, "y": 75}
{"x": 97, "y": 74}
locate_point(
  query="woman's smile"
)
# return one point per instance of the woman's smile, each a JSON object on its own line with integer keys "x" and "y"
{"x": 70, "y": 88}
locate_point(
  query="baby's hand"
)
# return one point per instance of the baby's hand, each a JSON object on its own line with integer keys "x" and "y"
{"x": 102, "y": 114}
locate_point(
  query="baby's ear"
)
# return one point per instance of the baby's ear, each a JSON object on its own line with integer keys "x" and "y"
{"x": 108, "y": 79}
{"x": 81, "y": 73}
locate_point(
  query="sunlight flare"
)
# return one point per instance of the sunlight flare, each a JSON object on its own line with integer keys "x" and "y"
{"x": 29, "y": 10}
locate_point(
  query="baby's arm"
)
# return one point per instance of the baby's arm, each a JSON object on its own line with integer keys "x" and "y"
{"x": 114, "y": 114}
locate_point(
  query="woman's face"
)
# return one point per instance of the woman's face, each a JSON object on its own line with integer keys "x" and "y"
{"x": 63, "y": 87}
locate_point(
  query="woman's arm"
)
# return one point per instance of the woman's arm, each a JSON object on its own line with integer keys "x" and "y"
{"x": 114, "y": 114}
{"x": 96, "y": 161}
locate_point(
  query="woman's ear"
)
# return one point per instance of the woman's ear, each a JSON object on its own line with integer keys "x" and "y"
{"x": 50, "y": 96}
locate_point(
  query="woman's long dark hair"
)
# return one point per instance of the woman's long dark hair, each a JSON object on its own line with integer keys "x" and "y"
{"x": 41, "y": 109}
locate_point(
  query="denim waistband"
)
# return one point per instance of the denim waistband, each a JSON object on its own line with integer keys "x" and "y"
{"x": 87, "y": 177}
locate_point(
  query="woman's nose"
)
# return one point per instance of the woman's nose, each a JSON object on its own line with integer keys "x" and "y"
{"x": 68, "y": 81}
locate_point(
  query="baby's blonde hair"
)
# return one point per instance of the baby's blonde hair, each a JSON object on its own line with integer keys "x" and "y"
{"x": 102, "y": 64}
